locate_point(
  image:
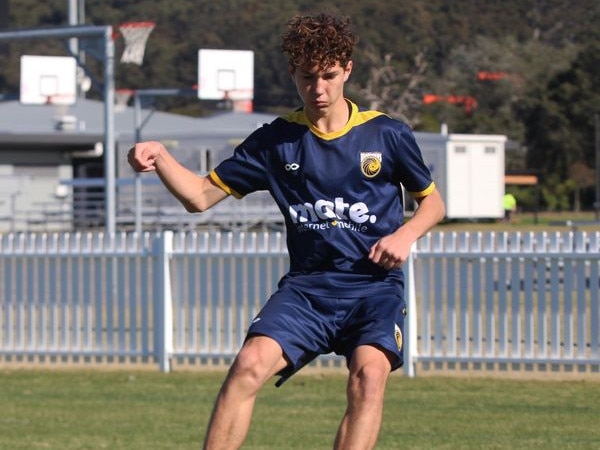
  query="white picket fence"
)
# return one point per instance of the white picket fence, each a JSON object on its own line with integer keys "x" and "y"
{"x": 508, "y": 300}
{"x": 476, "y": 300}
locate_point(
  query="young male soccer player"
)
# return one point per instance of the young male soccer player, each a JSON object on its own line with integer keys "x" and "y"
{"x": 335, "y": 171}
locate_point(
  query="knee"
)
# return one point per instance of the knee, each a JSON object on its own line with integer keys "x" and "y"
{"x": 247, "y": 369}
{"x": 368, "y": 383}
{"x": 259, "y": 359}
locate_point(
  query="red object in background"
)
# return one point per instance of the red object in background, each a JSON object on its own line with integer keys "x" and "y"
{"x": 431, "y": 98}
{"x": 491, "y": 76}
{"x": 469, "y": 103}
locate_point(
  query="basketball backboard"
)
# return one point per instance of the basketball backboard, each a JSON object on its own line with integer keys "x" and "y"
{"x": 225, "y": 74}
{"x": 48, "y": 80}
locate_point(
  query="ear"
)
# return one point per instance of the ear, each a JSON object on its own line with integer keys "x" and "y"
{"x": 291, "y": 70}
{"x": 347, "y": 70}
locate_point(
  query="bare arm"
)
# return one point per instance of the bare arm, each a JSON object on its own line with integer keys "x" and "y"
{"x": 391, "y": 251}
{"x": 196, "y": 193}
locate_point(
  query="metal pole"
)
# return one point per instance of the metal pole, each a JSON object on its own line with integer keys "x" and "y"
{"x": 13, "y": 210}
{"x": 137, "y": 119}
{"x": 411, "y": 352}
{"x": 63, "y": 32}
{"x": 597, "y": 145}
{"x": 73, "y": 20}
{"x": 109, "y": 130}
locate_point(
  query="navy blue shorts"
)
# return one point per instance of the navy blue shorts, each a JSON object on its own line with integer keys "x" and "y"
{"x": 307, "y": 325}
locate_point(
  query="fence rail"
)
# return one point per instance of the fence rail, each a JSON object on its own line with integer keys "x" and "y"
{"x": 504, "y": 299}
{"x": 475, "y": 299}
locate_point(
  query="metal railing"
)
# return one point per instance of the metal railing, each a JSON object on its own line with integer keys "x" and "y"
{"x": 82, "y": 208}
{"x": 508, "y": 299}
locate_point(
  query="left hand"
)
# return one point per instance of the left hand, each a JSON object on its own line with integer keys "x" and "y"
{"x": 391, "y": 251}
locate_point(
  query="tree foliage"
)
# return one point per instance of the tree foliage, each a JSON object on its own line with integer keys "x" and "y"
{"x": 547, "y": 53}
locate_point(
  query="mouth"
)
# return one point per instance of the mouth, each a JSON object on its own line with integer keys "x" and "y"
{"x": 319, "y": 103}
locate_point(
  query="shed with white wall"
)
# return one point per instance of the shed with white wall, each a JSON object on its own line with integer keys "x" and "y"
{"x": 469, "y": 171}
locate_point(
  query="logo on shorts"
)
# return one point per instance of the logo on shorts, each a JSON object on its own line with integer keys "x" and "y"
{"x": 398, "y": 336}
{"x": 370, "y": 163}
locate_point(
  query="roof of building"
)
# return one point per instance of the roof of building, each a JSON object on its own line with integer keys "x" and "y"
{"x": 37, "y": 123}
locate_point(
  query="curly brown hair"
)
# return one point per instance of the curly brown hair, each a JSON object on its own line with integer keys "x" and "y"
{"x": 318, "y": 41}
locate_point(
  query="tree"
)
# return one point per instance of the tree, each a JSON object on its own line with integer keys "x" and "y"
{"x": 559, "y": 118}
{"x": 583, "y": 177}
{"x": 391, "y": 89}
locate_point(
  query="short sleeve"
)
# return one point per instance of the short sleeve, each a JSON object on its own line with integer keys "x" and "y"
{"x": 246, "y": 170}
{"x": 413, "y": 173}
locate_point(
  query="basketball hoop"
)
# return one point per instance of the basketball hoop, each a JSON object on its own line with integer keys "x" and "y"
{"x": 135, "y": 35}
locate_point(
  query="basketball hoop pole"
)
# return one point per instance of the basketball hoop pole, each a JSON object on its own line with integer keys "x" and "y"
{"x": 99, "y": 32}
{"x": 137, "y": 137}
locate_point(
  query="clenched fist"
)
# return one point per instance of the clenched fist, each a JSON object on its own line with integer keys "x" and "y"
{"x": 142, "y": 156}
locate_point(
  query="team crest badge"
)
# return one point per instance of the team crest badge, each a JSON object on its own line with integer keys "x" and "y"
{"x": 398, "y": 336}
{"x": 370, "y": 163}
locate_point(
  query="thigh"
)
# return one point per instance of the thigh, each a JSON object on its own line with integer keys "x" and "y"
{"x": 377, "y": 322}
{"x": 301, "y": 324}
{"x": 372, "y": 359}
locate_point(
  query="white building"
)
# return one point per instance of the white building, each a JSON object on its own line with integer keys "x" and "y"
{"x": 469, "y": 172}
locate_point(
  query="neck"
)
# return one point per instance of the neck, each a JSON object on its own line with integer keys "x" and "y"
{"x": 332, "y": 119}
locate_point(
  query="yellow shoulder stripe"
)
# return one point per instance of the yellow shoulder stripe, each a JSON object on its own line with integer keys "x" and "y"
{"x": 425, "y": 192}
{"x": 215, "y": 178}
{"x": 365, "y": 116}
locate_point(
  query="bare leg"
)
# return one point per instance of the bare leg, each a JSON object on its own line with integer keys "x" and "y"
{"x": 369, "y": 371}
{"x": 259, "y": 359}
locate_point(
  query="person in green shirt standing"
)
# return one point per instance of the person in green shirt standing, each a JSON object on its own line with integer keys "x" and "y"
{"x": 510, "y": 207}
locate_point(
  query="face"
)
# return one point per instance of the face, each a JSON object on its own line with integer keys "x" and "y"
{"x": 321, "y": 89}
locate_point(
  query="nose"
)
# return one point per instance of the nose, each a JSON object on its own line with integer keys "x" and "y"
{"x": 319, "y": 85}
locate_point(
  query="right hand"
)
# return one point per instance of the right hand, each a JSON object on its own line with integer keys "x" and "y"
{"x": 143, "y": 155}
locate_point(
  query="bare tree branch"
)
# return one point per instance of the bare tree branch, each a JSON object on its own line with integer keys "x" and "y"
{"x": 390, "y": 90}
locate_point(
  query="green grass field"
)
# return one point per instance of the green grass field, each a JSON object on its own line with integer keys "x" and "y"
{"x": 120, "y": 409}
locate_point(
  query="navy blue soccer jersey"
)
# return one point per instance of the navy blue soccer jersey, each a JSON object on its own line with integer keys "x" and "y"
{"x": 338, "y": 193}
